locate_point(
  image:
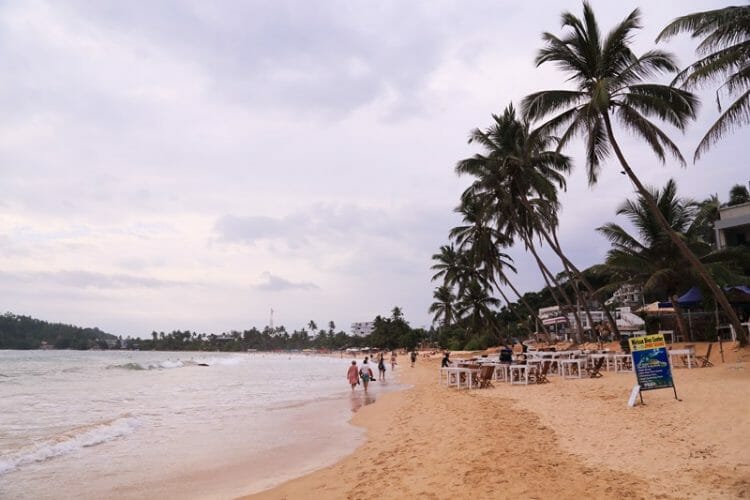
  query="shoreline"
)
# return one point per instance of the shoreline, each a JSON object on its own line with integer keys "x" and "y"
{"x": 565, "y": 439}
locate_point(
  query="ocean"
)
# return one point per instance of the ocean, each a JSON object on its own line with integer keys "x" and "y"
{"x": 125, "y": 424}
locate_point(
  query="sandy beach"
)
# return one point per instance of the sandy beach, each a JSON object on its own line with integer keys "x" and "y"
{"x": 565, "y": 439}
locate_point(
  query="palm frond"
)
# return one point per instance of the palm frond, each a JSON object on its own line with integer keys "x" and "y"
{"x": 736, "y": 115}
{"x": 669, "y": 104}
{"x": 729, "y": 24}
{"x": 653, "y": 136}
{"x": 540, "y": 104}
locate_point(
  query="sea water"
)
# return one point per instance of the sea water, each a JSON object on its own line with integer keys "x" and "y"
{"x": 124, "y": 424}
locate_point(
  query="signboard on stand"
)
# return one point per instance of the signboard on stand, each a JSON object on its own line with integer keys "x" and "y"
{"x": 651, "y": 363}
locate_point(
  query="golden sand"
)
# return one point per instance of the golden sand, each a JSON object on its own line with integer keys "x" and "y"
{"x": 566, "y": 439}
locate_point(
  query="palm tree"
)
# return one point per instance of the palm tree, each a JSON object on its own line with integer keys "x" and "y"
{"x": 480, "y": 245}
{"x": 738, "y": 195}
{"x": 607, "y": 75}
{"x": 706, "y": 216}
{"x": 726, "y": 56}
{"x": 449, "y": 264}
{"x": 649, "y": 257}
{"x": 443, "y": 308}
{"x": 478, "y": 306}
{"x": 313, "y": 326}
{"x": 519, "y": 178}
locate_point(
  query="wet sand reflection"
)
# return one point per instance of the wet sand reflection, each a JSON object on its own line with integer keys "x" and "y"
{"x": 358, "y": 399}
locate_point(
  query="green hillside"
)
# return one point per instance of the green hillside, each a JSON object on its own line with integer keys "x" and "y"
{"x": 23, "y": 332}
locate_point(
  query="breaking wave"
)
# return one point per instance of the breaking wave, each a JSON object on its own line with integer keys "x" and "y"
{"x": 69, "y": 442}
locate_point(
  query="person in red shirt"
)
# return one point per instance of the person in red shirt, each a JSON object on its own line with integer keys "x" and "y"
{"x": 353, "y": 374}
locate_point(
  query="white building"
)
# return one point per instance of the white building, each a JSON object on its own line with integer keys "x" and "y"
{"x": 362, "y": 329}
{"x": 733, "y": 227}
{"x": 563, "y": 324}
{"x": 627, "y": 295}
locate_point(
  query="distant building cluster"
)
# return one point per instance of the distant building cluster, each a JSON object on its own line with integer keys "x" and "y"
{"x": 362, "y": 329}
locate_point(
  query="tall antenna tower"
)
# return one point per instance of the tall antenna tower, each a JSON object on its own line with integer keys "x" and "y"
{"x": 270, "y": 322}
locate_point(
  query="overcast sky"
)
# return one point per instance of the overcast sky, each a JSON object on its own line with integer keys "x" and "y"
{"x": 191, "y": 165}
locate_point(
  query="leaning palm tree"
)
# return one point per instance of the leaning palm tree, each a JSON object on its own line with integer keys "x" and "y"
{"x": 480, "y": 244}
{"x": 725, "y": 51}
{"x": 607, "y": 77}
{"x": 517, "y": 174}
{"x": 444, "y": 307}
{"x": 649, "y": 257}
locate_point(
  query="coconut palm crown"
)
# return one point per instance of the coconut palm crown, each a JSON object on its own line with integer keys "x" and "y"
{"x": 607, "y": 78}
{"x": 725, "y": 51}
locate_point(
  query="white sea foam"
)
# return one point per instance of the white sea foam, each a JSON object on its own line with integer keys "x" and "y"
{"x": 188, "y": 418}
{"x": 70, "y": 442}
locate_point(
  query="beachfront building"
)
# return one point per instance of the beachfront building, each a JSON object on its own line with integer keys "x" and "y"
{"x": 627, "y": 296}
{"x": 362, "y": 329}
{"x": 562, "y": 324}
{"x": 733, "y": 227}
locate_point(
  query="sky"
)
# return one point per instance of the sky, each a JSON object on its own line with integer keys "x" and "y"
{"x": 193, "y": 165}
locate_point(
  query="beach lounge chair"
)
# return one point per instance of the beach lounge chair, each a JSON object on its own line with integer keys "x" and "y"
{"x": 540, "y": 377}
{"x": 485, "y": 376}
{"x": 705, "y": 361}
{"x": 595, "y": 372}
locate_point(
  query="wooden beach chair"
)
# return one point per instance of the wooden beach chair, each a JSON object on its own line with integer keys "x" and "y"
{"x": 540, "y": 377}
{"x": 474, "y": 376}
{"x": 485, "y": 376}
{"x": 595, "y": 371}
{"x": 705, "y": 361}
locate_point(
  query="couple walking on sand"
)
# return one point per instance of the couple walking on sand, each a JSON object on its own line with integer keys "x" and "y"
{"x": 364, "y": 373}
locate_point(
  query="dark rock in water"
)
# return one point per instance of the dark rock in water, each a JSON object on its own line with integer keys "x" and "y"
{"x": 202, "y": 364}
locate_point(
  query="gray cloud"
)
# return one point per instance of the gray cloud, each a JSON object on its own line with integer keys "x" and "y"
{"x": 272, "y": 283}
{"x": 329, "y": 57}
{"x": 86, "y": 279}
{"x": 217, "y": 140}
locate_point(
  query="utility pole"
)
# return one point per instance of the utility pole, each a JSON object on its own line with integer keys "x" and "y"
{"x": 270, "y": 322}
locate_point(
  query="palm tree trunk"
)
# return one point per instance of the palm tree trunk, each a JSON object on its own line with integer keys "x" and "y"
{"x": 579, "y": 275}
{"x": 682, "y": 247}
{"x": 558, "y": 250}
{"x": 528, "y": 307}
{"x": 545, "y": 273}
{"x": 680, "y": 319}
{"x": 507, "y": 301}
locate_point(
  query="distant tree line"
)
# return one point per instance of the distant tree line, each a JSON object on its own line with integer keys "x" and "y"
{"x": 394, "y": 332}
{"x": 389, "y": 333}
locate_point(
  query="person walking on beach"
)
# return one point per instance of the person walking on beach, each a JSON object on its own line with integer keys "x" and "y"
{"x": 381, "y": 367}
{"x": 393, "y": 360}
{"x": 413, "y": 358}
{"x": 353, "y": 374}
{"x": 365, "y": 373}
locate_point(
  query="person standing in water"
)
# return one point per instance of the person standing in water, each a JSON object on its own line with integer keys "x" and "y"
{"x": 393, "y": 360}
{"x": 353, "y": 374}
{"x": 413, "y": 355}
{"x": 365, "y": 373}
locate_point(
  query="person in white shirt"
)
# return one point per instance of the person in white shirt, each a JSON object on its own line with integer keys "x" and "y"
{"x": 365, "y": 373}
